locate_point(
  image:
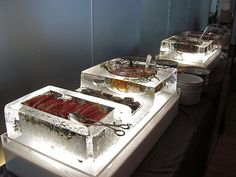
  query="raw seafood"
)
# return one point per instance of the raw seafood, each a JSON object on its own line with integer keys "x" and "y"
{"x": 129, "y": 68}
{"x": 128, "y": 101}
{"x": 52, "y": 104}
{"x": 135, "y": 71}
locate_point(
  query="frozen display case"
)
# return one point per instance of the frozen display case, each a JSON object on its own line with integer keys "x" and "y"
{"x": 129, "y": 82}
{"x": 44, "y": 115}
{"x": 122, "y": 108}
{"x": 191, "y": 48}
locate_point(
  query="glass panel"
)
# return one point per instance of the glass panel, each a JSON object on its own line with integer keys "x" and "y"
{"x": 153, "y": 25}
{"x": 47, "y": 39}
{"x": 178, "y": 16}
{"x": 116, "y": 28}
{"x": 198, "y": 16}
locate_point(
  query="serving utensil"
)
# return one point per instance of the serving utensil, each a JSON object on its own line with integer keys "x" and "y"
{"x": 115, "y": 127}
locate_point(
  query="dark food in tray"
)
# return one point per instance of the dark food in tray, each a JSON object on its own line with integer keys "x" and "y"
{"x": 193, "y": 44}
{"x": 128, "y": 101}
{"x": 137, "y": 71}
{"x": 124, "y": 86}
{"x": 55, "y": 104}
{"x": 185, "y": 40}
{"x": 129, "y": 68}
{"x": 195, "y": 34}
{"x": 186, "y": 48}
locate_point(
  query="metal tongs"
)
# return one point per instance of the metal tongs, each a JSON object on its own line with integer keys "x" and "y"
{"x": 83, "y": 119}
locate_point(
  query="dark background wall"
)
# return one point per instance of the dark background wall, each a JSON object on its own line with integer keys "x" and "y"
{"x": 162, "y": 18}
{"x": 49, "y": 42}
{"x": 116, "y": 28}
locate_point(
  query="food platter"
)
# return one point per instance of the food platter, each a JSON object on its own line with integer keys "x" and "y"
{"x": 96, "y": 129}
{"x": 129, "y": 68}
{"x": 191, "y": 88}
{"x": 191, "y": 48}
{"x": 169, "y": 63}
{"x": 128, "y": 101}
{"x": 59, "y": 105}
{"x": 204, "y": 73}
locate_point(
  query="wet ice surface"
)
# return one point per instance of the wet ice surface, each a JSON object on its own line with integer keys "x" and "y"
{"x": 92, "y": 148}
{"x": 112, "y": 150}
{"x": 195, "y": 52}
{"x": 75, "y": 138}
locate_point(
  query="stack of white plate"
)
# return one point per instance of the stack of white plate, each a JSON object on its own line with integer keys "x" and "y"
{"x": 201, "y": 72}
{"x": 170, "y": 63}
{"x": 191, "y": 88}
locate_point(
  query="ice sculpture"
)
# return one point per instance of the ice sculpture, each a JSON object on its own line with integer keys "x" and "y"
{"x": 190, "y": 48}
{"x": 130, "y": 82}
{"x": 75, "y": 134}
{"x": 129, "y": 77}
{"x": 44, "y": 116}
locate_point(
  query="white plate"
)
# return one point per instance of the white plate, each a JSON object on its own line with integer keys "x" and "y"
{"x": 196, "y": 70}
{"x": 184, "y": 101}
{"x": 189, "y": 87}
{"x": 186, "y": 95}
{"x": 169, "y": 63}
{"x": 189, "y": 79}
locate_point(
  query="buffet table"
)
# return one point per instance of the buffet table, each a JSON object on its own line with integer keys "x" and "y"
{"x": 104, "y": 128}
{"x": 184, "y": 148}
{"x": 184, "y": 145}
{"x": 209, "y": 59}
{"x": 129, "y": 156}
{"x": 191, "y": 48}
{"x": 178, "y": 150}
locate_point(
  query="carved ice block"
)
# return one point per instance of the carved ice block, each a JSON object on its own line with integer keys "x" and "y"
{"x": 42, "y": 118}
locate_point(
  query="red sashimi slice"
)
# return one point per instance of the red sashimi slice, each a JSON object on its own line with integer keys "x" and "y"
{"x": 70, "y": 108}
{"x": 94, "y": 112}
{"x": 87, "y": 110}
{"x": 62, "y": 108}
{"x": 81, "y": 108}
{"x": 33, "y": 100}
{"x": 65, "y": 112}
{"x": 47, "y": 103}
{"x": 67, "y": 105}
{"x": 97, "y": 116}
{"x": 55, "y": 105}
{"x": 43, "y": 99}
{"x": 78, "y": 106}
{"x": 52, "y": 111}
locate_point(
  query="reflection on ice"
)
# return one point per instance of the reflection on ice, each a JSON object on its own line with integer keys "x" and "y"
{"x": 190, "y": 48}
{"x": 39, "y": 124}
{"x": 44, "y": 126}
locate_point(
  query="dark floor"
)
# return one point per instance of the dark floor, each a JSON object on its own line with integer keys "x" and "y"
{"x": 223, "y": 161}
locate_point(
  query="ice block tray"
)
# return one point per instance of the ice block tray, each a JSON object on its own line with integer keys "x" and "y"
{"x": 191, "y": 42}
{"x": 42, "y": 116}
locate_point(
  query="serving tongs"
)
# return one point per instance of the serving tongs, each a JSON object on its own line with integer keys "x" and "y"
{"x": 82, "y": 119}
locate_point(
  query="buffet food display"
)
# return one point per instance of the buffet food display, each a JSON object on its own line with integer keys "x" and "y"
{"x": 90, "y": 131}
{"x": 129, "y": 82}
{"x": 49, "y": 115}
{"x": 191, "y": 48}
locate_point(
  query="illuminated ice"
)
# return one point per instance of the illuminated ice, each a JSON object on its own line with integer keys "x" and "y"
{"x": 77, "y": 138}
{"x": 100, "y": 78}
{"x": 144, "y": 88}
{"x": 188, "y": 48}
{"x": 93, "y": 151}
